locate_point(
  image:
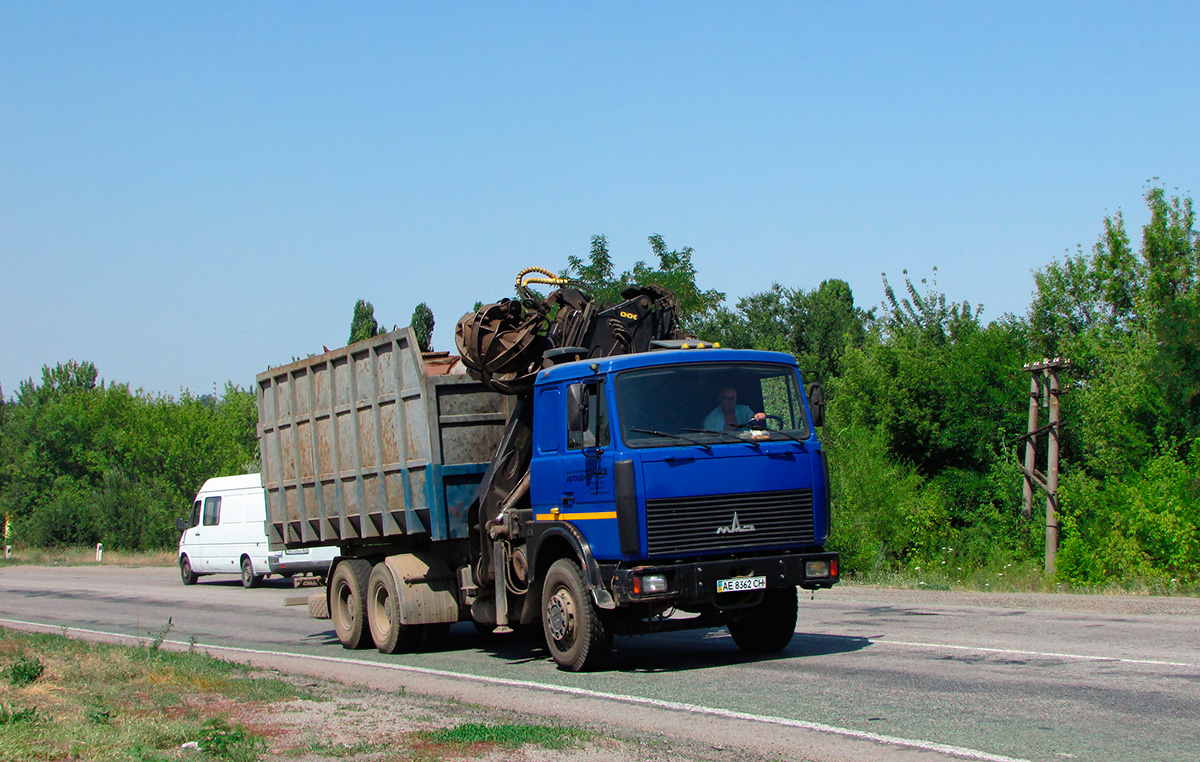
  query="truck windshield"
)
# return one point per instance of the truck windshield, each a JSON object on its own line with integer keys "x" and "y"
{"x": 709, "y": 404}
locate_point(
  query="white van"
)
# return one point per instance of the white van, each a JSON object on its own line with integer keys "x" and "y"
{"x": 227, "y": 534}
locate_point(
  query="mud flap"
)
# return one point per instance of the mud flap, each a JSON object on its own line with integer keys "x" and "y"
{"x": 426, "y": 587}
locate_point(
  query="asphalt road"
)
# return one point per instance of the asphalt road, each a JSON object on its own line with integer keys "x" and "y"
{"x": 871, "y": 673}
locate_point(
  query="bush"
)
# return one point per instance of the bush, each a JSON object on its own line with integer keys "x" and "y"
{"x": 1144, "y": 526}
{"x": 136, "y": 515}
{"x": 883, "y": 512}
{"x": 68, "y": 518}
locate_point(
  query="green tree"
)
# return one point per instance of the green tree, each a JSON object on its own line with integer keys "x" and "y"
{"x": 816, "y": 326}
{"x": 84, "y": 461}
{"x": 1130, "y": 322}
{"x": 363, "y": 325}
{"x": 934, "y": 390}
{"x": 675, "y": 272}
{"x": 422, "y": 325}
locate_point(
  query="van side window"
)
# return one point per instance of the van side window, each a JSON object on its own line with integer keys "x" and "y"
{"x": 212, "y": 511}
{"x": 195, "y": 522}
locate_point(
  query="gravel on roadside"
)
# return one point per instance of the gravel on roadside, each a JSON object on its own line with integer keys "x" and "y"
{"x": 357, "y": 724}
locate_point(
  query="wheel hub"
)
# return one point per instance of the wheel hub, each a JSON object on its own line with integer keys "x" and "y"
{"x": 562, "y": 616}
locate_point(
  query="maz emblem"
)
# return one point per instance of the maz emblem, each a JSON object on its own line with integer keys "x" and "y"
{"x": 736, "y": 527}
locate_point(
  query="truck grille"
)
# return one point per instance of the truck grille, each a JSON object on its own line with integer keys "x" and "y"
{"x": 706, "y": 523}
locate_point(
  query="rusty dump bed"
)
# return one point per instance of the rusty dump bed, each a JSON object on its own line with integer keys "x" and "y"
{"x": 372, "y": 443}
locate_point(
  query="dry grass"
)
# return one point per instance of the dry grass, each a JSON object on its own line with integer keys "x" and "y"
{"x": 104, "y": 702}
{"x": 87, "y": 557}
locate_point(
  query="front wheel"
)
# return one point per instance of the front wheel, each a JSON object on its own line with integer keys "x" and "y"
{"x": 575, "y": 632}
{"x": 249, "y": 578}
{"x": 185, "y": 571}
{"x": 768, "y": 627}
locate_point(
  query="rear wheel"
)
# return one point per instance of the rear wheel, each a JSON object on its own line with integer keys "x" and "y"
{"x": 249, "y": 578}
{"x": 574, "y": 630}
{"x": 185, "y": 571}
{"x": 348, "y": 603}
{"x": 768, "y": 627}
{"x": 383, "y": 614}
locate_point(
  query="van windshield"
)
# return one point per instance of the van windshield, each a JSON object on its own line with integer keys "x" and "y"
{"x": 710, "y": 403}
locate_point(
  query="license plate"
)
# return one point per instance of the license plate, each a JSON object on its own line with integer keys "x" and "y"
{"x": 741, "y": 584}
{"x": 295, "y": 552}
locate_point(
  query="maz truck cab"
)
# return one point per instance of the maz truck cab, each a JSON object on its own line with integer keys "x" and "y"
{"x": 692, "y": 480}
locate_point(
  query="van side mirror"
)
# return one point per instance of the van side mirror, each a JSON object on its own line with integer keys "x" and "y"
{"x": 816, "y": 402}
{"x": 577, "y": 408}
{"x": 181, "y": 525}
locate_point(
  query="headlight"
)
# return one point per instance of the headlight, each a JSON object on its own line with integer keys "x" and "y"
{"x": 650, "y": 584}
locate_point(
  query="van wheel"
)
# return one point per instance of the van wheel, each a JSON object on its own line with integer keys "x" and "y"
{"x": 185, "y": 571}
{"x": 383, "y": 614}
{"x": 249, "y": 578}
{"x": 348, "y": 603}
{"x": 575, "y": 632}
{"x": 768, "y": 627}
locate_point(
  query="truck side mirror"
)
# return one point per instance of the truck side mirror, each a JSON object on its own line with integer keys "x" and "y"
{"x": 577, "y": 408}
{"x": 816, "y": 401}
{"x": 181, "y": 525}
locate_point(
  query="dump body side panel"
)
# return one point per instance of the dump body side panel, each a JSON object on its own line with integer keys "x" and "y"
{"x": 363, "y": 445}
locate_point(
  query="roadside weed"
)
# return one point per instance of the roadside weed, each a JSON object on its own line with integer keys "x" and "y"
{"x": 13, "y": 716}
{"x": 507, "y": 736}
{"x": 24, "y": 671}
{"x": 233, "y": 743}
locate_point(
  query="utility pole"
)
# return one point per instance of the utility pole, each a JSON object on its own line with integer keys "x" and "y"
{"x": 1043, "y": 377}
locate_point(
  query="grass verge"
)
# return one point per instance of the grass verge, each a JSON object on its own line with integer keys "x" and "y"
{"x": 68, "y": 699}
{"x": 1009, "y": 578}
{"x": 63, "y": 699}
{"x": 72, "y": 556}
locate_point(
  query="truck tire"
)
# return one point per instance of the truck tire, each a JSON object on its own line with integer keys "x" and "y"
{"x": 249, "y": 578}
{"x": 383, "y": 614}
{"x": 318, "y": 606}
{"x": 575, "y": 632}
{"x": 768, "y": 627}
{"x": 185, "y": 571}
{"x": 348, "y": 603}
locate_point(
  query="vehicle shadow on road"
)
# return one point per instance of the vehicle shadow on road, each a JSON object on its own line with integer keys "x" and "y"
{"x": 678, "y": 652}
{"x": 323, "y": 638}
{"x": 665, "y": 652}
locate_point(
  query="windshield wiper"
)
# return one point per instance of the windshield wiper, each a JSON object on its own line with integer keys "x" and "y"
{"x": 786, "y": 435}
{"x": 728, "y": 437}
{"x": 673, "y": 436}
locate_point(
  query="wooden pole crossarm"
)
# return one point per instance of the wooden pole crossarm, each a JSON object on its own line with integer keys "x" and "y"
{"x": 1042, "y": 430}
{"x": 1038, "y": 478}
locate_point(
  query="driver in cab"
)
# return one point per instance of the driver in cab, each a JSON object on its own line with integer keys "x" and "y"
{"x": 728, "y": 415}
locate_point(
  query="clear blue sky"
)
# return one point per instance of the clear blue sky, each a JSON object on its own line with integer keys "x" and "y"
{"x": 191, "y": 192}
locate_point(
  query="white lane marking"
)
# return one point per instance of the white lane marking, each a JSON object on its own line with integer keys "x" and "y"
{"x": 956, "y": 751}
{"x": 1049, "y": 655}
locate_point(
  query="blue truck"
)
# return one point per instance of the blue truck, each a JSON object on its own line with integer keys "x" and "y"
{"x": 607, "y": 489}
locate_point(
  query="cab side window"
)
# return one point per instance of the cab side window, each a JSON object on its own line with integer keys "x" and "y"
{"x": 592, "y": 430}
{"x": 212, "y": 511}
{"x": 195, "y": 520}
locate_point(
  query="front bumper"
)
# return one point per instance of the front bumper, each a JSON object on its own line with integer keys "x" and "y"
{"x": 698, "y": 580}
